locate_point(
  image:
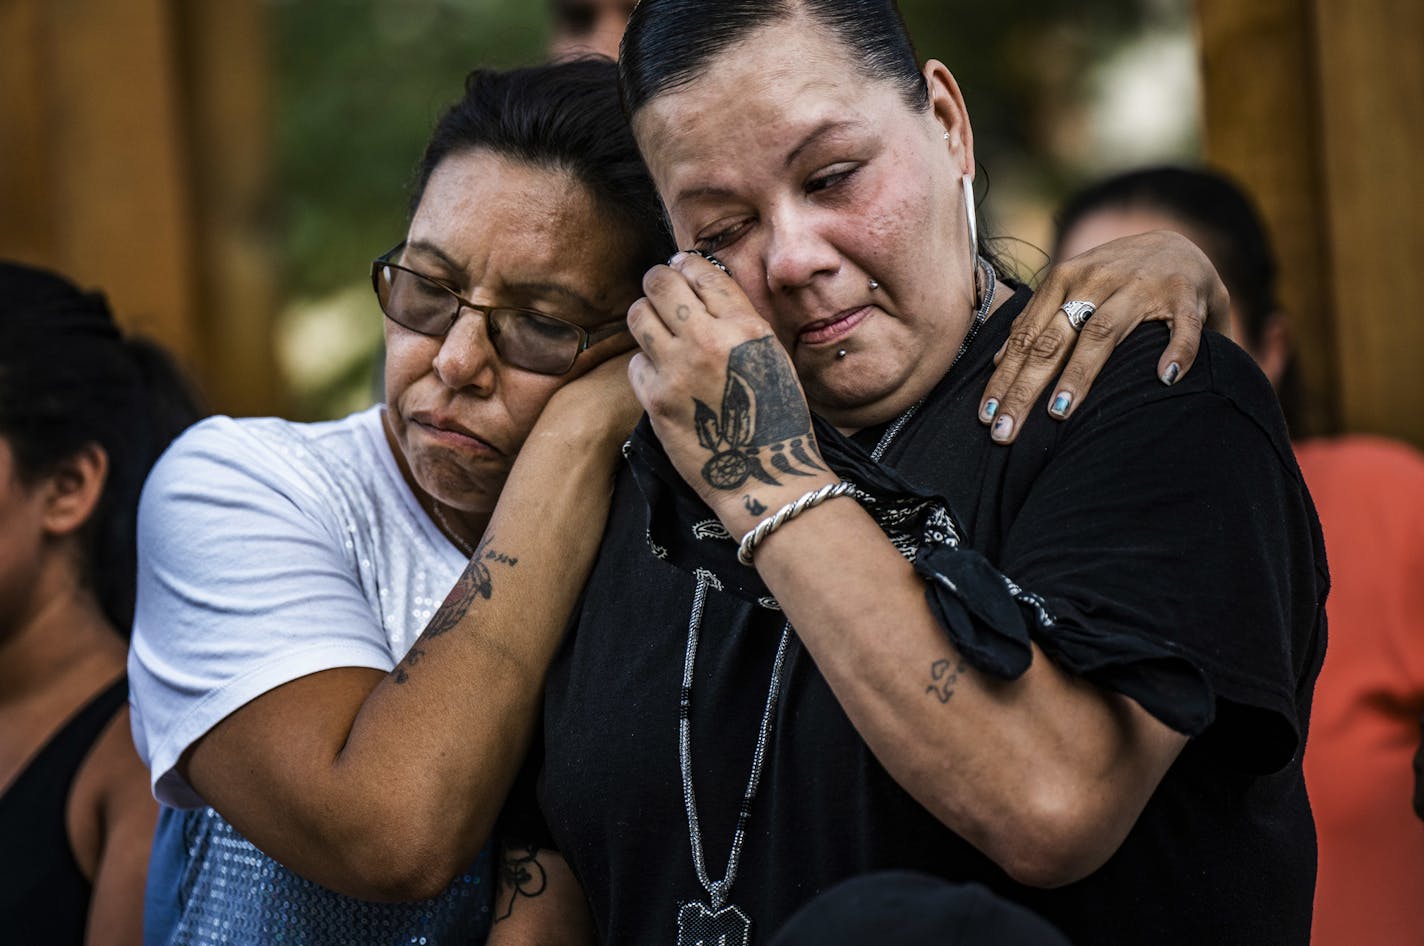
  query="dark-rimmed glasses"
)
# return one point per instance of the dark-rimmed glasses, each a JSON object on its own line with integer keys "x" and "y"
{"x": 525, "y": 338}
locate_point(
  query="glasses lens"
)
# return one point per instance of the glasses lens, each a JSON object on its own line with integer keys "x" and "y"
{"x": 413, "y": 301}
{"x": 533, "y": 342}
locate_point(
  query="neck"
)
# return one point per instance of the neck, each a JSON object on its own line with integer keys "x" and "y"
{"x": 62, "y": 631}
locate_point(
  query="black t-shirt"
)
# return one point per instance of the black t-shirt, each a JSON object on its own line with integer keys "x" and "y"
{"x": 1155, "y": 520}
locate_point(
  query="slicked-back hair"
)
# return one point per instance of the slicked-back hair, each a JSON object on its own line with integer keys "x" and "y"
{"x": 670, "y": 43}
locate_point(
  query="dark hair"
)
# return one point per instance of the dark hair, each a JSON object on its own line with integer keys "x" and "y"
{"x": 669, "y": 43}
{"x": 68, "y": 379}
{"x": 1222, "y": 216}
{"x": 565, "y": 116}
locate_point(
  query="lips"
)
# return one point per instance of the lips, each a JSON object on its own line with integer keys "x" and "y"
{"x": 834, "y": 329}
{"x": 449, "y": 430}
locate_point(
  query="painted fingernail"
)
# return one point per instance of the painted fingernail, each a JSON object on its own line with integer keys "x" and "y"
{"x": 990, "y": 408}
{"x": 1060, "y": 405}
{"x": 1170, "y": 375}
{"x": 677, "y": 257}
{"x": 1003, "y": 428}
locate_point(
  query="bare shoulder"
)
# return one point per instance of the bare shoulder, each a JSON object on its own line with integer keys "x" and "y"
{"x": 110, "y": 795}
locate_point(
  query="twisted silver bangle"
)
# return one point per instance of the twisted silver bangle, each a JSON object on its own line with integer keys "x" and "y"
{"x": 790, "y": 511}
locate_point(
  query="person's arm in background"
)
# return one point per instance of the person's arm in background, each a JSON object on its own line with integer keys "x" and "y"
{"x": 384, "y": 786}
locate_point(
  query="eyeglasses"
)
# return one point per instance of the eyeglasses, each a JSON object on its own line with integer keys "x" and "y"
{"x": 525, "y": 338}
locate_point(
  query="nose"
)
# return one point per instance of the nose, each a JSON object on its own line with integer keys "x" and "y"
{"x": 466, "y": 358}
{"x": 796, "y": 251}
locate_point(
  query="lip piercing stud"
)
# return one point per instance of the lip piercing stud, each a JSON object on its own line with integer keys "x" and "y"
{"x": 840, "y": 353}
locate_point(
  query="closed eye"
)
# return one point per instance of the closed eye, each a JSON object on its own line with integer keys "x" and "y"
{"x": 719, "y": 239}
{"x": 827, "y": 181}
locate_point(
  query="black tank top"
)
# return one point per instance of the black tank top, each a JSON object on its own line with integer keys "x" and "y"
{"x": 44, "y": 897}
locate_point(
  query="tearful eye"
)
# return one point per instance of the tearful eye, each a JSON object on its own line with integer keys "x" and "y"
{"x": 721, "y": 238}
{"x": 826, "y": 181}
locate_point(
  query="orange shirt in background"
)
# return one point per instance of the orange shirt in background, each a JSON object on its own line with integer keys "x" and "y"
{"x": 1365, "y": 724}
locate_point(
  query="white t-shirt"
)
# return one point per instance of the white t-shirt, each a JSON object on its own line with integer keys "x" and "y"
{"x": 267, "y": 551}
{"x": 270, "y": 550}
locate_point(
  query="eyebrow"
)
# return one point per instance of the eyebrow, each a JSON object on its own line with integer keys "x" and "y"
{"x": 526, "y": 288}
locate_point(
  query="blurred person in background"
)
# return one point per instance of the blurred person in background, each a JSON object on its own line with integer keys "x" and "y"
{"x": 581, "y": 27}
{"x": 335, "y": 743}
{"x": 84, "y": 413}
{"x": 1369, "y": 493}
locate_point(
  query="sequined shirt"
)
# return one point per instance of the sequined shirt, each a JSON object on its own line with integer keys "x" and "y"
{"x": 270, "y": 550}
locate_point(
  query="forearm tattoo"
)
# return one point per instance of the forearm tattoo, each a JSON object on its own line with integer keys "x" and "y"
{"x": 944, "y": 676}
{"x": 763, "y": 422}
{"x": 521, "y": 875}
{"x": 475, "y": 582}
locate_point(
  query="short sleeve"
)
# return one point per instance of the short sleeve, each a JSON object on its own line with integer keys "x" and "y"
{"x": 1173, "y": 532}
{"x": 243, "y": 585}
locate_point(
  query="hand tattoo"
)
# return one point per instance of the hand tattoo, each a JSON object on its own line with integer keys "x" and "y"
{"x": 944, "y": 679}
{"x": 762, "y": 408}
{"x": 474, "y": 582}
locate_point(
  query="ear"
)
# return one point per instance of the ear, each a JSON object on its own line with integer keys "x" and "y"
{"x": 947, "y": 107}
{"x": 73, "y": 489}
{"x": 1273, "y": 351}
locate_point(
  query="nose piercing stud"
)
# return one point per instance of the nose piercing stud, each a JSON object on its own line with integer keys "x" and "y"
{"x": 840, "y": 353}
{"x": 874, "y": 285}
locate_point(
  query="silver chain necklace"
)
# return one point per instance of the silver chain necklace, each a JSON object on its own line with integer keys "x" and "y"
{"x": 717, "y": 922}
{"x": 450, "y": 532}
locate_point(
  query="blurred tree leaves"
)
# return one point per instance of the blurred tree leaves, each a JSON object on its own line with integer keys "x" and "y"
{"x": 360, "y": 85}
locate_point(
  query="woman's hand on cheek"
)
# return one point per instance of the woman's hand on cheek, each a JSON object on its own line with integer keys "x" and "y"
{"x": 1157, "y": 276}
{"x": 721, "y": 393}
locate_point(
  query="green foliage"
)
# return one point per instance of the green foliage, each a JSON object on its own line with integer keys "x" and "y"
{"x": 360, "y": 85}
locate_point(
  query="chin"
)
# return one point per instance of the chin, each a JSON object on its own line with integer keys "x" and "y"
{"x": 458, "y": 486}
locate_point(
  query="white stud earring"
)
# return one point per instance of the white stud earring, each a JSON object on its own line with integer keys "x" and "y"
{"x": 946, "y": 136}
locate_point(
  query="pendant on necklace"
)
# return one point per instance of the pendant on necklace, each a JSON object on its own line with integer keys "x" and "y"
{"x": 698, "y": 925}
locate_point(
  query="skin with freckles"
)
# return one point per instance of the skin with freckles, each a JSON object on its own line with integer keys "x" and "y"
{"x": 806, "y": 188}
{"x": 496, "y": 231}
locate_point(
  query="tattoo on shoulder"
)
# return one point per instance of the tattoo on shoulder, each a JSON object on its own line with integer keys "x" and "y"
{"x": 521, "y": 875}
{"x": 475, "y": 582}
{"x": 944, "y": 675}
{"x": 763, "y": 422}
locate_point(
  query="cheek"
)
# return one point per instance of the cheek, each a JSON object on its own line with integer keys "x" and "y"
{"x": 408, "y": 357}
{"x": 525, "y": 396}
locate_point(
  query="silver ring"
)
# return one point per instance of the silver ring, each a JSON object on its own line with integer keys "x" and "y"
{"x": 1078, "y": 312}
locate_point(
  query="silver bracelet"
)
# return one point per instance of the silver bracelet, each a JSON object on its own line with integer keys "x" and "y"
{"x": 790, "y": 511}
